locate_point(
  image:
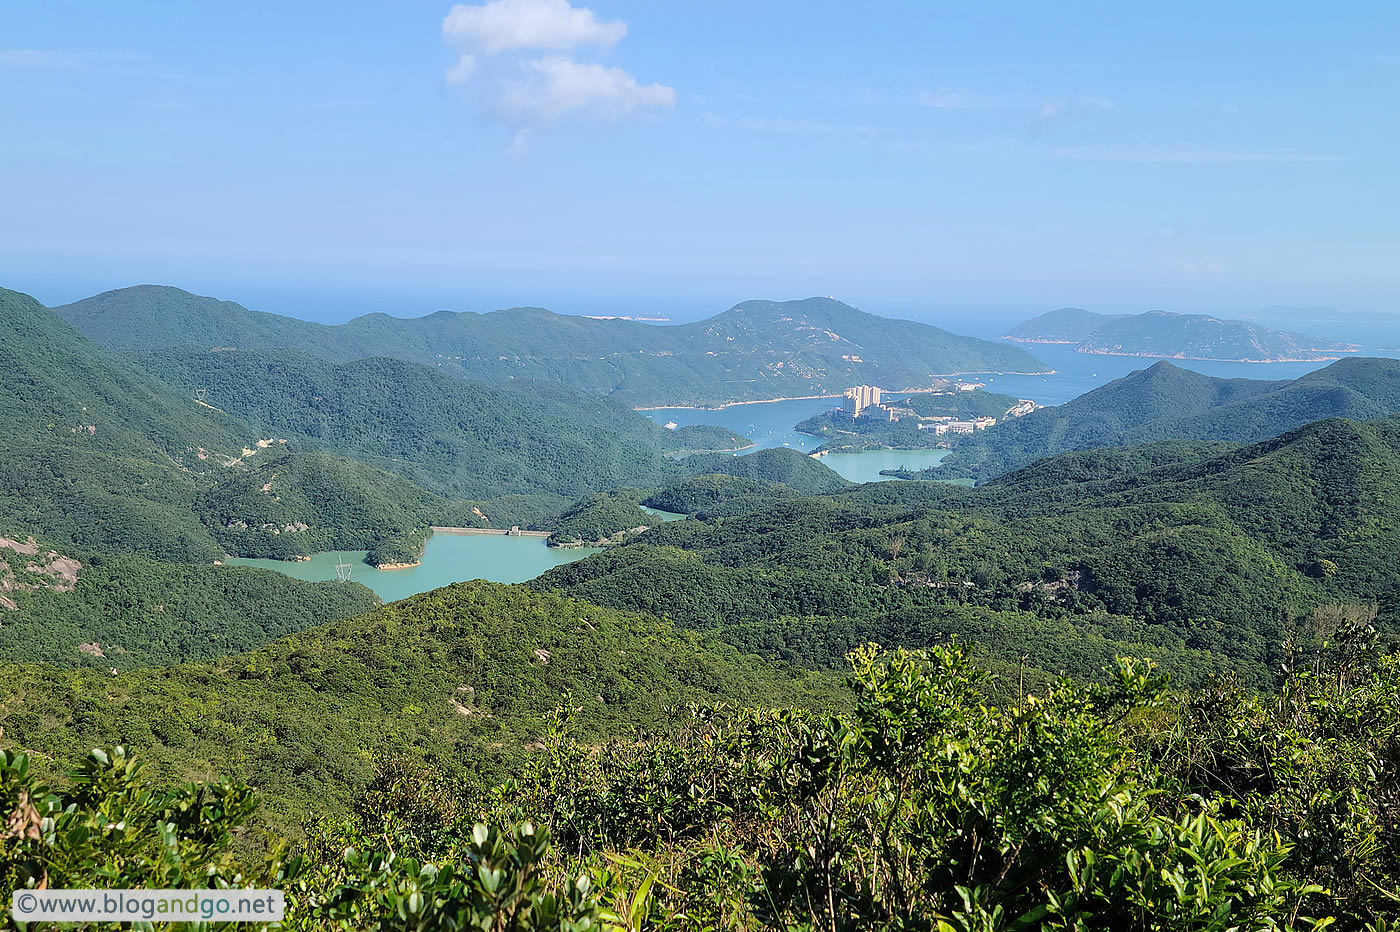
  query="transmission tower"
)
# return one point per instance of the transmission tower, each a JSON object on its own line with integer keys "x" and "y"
{"x": 342, "y": 571}
{"x": 199, "y": 394}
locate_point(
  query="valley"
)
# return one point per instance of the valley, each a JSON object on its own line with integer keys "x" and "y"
{"x": 354, "y": 581}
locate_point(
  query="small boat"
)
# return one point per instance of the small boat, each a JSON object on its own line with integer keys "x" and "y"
{"x": 671, "y": 425}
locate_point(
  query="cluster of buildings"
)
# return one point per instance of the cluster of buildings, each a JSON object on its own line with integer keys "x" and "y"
{"x": 947, "y": 425}
{"x": 865, "y": 402}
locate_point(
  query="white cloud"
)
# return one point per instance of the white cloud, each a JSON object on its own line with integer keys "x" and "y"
{"x": 462, "y": 72}
{"x": 556, "y": 87}
{"x": 507, "y": 25}
{"x": 494, "y": 42}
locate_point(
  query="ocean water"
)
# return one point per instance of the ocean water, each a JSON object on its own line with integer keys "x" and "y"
{"x": 448, "y": 558}
{"x": 770, "y": 424}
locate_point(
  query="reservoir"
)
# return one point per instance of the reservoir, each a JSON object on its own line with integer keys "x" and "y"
{"x": 866, "y": 466}
{"x": 770, "y": 424}
{"x": 448, "y": 558}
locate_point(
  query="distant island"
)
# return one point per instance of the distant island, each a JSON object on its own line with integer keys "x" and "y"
{"x": 755, "y": 351}
{"x": 1165, "y": 335}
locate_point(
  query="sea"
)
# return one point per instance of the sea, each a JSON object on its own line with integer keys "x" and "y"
{"x": 773, "y": 423}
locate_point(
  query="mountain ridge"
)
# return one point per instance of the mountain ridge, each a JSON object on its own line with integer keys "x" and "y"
{"x": 755, "y": 350}
{"x": 1169, "y": 335}
{"x": 1165, "y": 401}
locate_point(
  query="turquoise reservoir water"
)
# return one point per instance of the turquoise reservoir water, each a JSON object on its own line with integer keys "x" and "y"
{"x": 866, "y": 466}
{"x": 448, "y": 558}
{"x": 770, "y": 425}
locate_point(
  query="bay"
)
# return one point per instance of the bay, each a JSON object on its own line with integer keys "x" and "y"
{"x": 771, "y": 423}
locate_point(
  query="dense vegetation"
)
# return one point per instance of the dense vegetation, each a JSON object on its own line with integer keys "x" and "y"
{"x": 1198, "y": 560}
{"x": 457, "y": 438}
{"x": 758, "y": 349}
{"x": 706, "y": 438}
{"x": 702, "y": 494}
{"x": 460, "y": 677}
{"x": 127, "y": 612}
{"x": 1112, "y": 807}
{"x": 304, "y": 503}
{"x": 606, "y": 518}
{"x": 1166, "y": 402}
{"x": 798, "y": 471}
{"x": 500, "y": 757}
{"x": 1177, "y": 336}
{"x": 61, "y": 391}
{"x": 100, "y": 471}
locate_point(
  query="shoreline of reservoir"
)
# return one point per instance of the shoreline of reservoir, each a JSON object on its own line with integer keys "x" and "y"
{"x": 489, "y": 530}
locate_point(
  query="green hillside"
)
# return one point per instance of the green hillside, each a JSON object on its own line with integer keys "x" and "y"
{"x": 606, "y": 517}
{"x": 1065, "y": 325}
{"x": 462, "y": 677}
{"x": 755, "y": 350}
{"x": 126, "y": 612}
{"x": 1165, "y": 401}
{"x": 457, "y": 438}
{"x": 59, "y": 389}
{"x": 102, "y": 473}
{"x": 1198, "y": 336}
{"x": 706, "y": 438}
{"x": 1203, "y": 559}
{"x": 708, "y": 491}
{"x": 1174, "y": 336}
{"x": 304, "y": 503}
{"x": 794, "y": 469}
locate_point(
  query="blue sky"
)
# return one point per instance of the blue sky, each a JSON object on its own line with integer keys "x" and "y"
{"x": 930, "y": 159}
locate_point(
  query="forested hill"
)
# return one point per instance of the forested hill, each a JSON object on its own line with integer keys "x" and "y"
{"x": 1199, "y": 557}
{"x": 755, "y": 350}
{"x": 464, "y": 676}
{"x": 59, "y": 388}
{"x": 1165, "y": 401}
{"x": 806, "y": 475}
{"x": 453, "y": 436}
{"x": 104, "y": 558}
{"x": 1066, "y": 325}
{"x": 1175, "y": 336}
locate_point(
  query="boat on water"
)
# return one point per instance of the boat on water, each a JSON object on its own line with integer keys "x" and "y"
{"x": 671, "y": 425}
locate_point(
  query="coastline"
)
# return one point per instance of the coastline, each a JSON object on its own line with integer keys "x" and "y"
{"x": 769, "y": 401}
{"x": 1182, "y": 356}
{"x": 681, "y": 453}
{"x": 397, "y": 566}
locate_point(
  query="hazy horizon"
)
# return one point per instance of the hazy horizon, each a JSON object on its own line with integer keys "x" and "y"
{"x": 327, "y": 160}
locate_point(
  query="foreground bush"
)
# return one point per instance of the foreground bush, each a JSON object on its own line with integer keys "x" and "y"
{"x": 1110, "y": 806}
